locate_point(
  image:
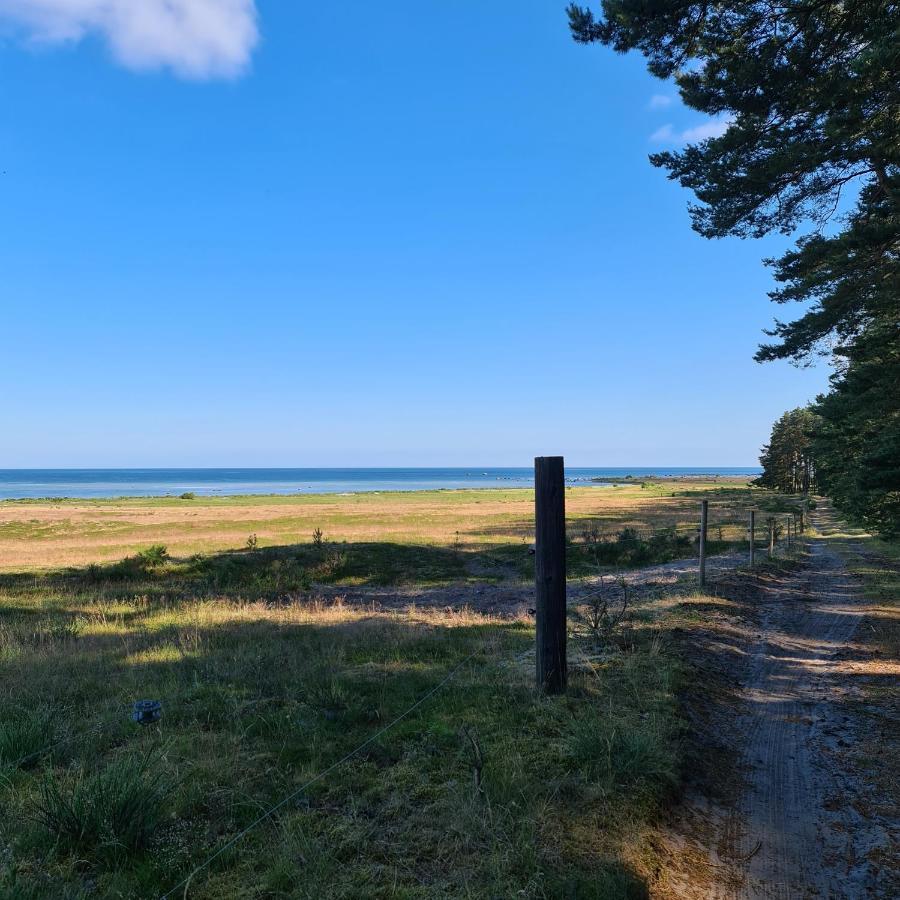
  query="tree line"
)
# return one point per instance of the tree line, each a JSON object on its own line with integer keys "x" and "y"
{"x": 809, "y": 91}
{"x": 787, "y": 459}
{"x": 813, "y": 449}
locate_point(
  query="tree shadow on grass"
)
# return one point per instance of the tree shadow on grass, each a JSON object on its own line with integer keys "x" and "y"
{"x": 271, "y": 572}
{"x": 254, "y": 706}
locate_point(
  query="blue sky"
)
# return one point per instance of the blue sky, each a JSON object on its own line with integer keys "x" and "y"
{"x": 308, "y": 234}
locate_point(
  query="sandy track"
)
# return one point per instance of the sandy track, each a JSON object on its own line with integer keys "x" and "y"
{"x": 515, "y": 597}
{"x": 804, "y": 822}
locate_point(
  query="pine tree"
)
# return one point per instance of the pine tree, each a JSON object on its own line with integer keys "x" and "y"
{"x": 811, "y": 93}
{"x": 787, "y": 459}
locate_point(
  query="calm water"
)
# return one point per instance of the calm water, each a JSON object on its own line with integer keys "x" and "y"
{"x": 21, "y": 483}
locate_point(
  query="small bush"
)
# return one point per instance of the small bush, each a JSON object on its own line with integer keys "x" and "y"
{"x": 155, "y": 555}
{"x": 112, "y": 812}
{"x": 604, "y": 619}
{"x": 317, "y": 537}
{"x": 630, "y": 548}
{"x": 128, "y": 568}
{"x": 138, "y": 565}
{"x": 330, "y": 567}
{"x": 252, "y": 542}
{"x": 188, "y": 495}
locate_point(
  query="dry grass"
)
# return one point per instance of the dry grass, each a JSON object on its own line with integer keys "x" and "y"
{"x": 263, "y": 688}
{"x": 44, "y": 534}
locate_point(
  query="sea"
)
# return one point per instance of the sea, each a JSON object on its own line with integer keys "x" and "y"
{"x": 104, "y": 483}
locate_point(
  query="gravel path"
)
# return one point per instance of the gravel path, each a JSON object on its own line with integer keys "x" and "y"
{"x": 513, "y": 598}
{"x": 806, "y": 821}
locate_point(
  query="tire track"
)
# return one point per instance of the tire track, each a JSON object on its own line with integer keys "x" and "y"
{"x": 794, "y": 832}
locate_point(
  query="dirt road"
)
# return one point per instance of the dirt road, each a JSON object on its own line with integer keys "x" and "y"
{"x": 515, "y": 596}
{"x": 806, "y": 820}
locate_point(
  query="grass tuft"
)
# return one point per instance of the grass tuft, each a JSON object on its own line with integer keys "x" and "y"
{"x": 624, "y": 755}
{"x": 112, "y": 813}
{"x": 23, "y": 734}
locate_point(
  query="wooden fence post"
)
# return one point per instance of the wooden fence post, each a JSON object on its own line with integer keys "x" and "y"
{"x": 550, "y": 572}
{"x": 704, "y": 518}
{"x": 752, "y": 538}
{"x": 771, "y": 536}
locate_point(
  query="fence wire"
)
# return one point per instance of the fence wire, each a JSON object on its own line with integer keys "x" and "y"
{"x": 676, "y": 528}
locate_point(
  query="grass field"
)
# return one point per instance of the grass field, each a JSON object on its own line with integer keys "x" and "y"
{"x": 421, "y": 536}
{"x": 485, "y": 789}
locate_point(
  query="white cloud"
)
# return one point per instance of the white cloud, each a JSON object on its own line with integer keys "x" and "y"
{"x": 193, "y": 38}
{"x": 660, "y": 101}
{"x": 663, "y": 135}
{"x": 668, "y": 135}
{"x": 714, "y": 128}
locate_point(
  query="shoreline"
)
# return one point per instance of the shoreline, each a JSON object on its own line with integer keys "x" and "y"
{"x": 201, "y": 495}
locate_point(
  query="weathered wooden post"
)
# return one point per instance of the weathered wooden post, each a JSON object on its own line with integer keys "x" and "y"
{"x": 704, "y": 517}
{"x": 550, "y": 572}
{"x": 771, "y": 536}
{"x": 752, "y": 538}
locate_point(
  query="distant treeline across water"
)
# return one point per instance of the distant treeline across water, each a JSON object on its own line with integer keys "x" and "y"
{"x": 98, "y": 483}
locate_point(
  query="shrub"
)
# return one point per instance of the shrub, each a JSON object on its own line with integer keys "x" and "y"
{"x": 602, "y": 617}
{"x": 155, "y": 555}
{"x": 330, "y": 567}
{"x": 634, "y": 550}
{"x": 188, "y": 495}
{"x": 317, "y": 537}
{"x": 252, "y": 542}
{"x": 112, "y": 812}
{"x": 124, "y": 569}
{"x": 137, "y": 566}
{"x": 631, "y": 549}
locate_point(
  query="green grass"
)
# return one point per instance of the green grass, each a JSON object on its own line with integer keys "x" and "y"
{"x": 23, "y": 733}
{"x": 110, "y": 813}
{"x": 483, "y": 528}
{"x": 258, "y": 698}
{"x": 488, "y": 789}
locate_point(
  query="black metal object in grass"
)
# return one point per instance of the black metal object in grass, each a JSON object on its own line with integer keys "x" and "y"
{"x": 146, "y": 712}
